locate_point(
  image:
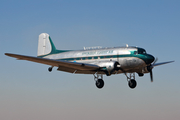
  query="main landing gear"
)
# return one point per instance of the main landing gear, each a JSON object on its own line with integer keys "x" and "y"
{"x": 99, "y": 80}
{"x": 131, "y": 80}
{"x": 100, "y": 83}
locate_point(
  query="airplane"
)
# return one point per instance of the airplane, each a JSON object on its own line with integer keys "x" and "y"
{"x": 97, "y": 61}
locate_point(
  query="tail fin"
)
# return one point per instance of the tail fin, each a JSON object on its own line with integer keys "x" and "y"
{"x": 45, "y": 45}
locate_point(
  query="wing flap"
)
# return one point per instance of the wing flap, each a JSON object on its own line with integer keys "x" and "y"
{"x": 57, "y": 63}
{"x": 75, "y": 71}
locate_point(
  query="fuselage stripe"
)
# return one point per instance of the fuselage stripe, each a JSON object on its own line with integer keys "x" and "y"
{"x": 102, "y": 57}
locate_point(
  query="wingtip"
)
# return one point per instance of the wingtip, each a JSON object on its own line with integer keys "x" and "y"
{"x": 5, "y": 53}
{"x": 8, "y": 54}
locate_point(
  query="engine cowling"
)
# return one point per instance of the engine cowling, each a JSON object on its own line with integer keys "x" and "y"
{"x": 109, "y": 66}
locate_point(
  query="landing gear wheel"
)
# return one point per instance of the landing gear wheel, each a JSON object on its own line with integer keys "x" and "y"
{"x": 50, "y": 69}
{"x": 132, "y": 83}
{"x": 99, "y": 83}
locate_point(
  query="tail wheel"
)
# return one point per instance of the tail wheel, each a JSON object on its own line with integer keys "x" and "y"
{"x": 99, "y": 83}
{"x": 50, "y": 69}
{"x": 132, "y": 83}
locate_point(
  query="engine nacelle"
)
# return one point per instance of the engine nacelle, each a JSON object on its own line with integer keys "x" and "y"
{"x": 109, "y": 66}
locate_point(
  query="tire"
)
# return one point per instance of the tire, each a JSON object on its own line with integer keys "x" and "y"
{"x": 132, "y": 83}
{"x": 99, "y": 83}
{"x": 50, "y": 69}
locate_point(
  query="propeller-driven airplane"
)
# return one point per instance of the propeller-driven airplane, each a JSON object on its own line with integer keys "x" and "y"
{"x": 97, "y": 61}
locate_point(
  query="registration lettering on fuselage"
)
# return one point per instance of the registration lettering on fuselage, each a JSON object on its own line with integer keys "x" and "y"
{"x": 98, "y": 52}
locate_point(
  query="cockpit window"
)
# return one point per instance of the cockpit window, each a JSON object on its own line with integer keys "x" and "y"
{"x": 141, "y": 51}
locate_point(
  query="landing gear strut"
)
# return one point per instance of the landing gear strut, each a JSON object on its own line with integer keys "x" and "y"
{"x": 131, "y": 80}
{"x": 99, "y": 80}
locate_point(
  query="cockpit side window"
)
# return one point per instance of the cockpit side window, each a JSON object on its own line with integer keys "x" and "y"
{"x": 135, "y": 52}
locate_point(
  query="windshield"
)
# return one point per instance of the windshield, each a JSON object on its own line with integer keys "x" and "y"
{"x": 141, "y": 51}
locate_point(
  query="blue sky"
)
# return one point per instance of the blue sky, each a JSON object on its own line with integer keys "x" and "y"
{"x": 28, "y": 91}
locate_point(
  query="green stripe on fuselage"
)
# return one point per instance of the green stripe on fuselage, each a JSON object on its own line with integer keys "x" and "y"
{"x": 140, "y": 56}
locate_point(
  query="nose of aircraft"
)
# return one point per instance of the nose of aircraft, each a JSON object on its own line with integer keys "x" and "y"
{"x": 149, "y": 59}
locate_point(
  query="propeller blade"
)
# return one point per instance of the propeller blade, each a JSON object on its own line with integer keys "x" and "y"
{"x": 151, "y": 75}
{"x": 157, "y": 64}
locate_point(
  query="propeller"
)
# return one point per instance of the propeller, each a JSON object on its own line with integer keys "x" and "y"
{"x": 150, "y": 67}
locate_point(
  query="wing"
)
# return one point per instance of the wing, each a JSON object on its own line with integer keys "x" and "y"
{"x": 62, "y": 65}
